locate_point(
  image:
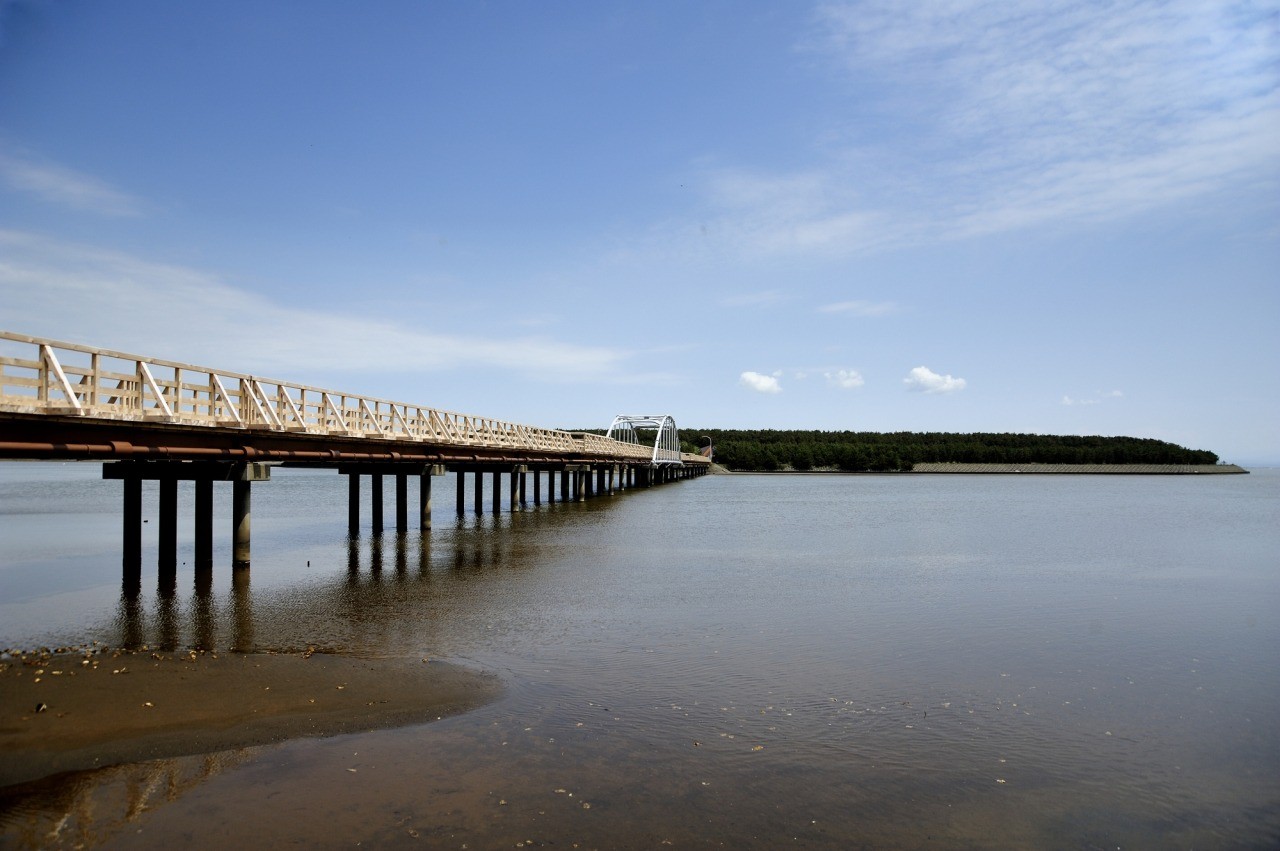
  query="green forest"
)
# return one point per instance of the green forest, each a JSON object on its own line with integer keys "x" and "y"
{"x": 863, "y": 451}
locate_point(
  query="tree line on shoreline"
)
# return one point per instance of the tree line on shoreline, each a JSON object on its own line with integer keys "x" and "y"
{"x": 863, "y": 451}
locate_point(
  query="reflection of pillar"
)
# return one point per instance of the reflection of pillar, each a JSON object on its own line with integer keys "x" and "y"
{"x": 132, "y": 543}
{"x": 424, "y": 499}
{"x": 204, "y": 523}
{"x": 353, "y": 558}
{"x": 132, "y": 629}
{"x": 353, "y": 504}
{"x": 375, "y": 509}
{"x": 242, "y": 610}
{"x": 402, "y": 503}
{"x": 202, "y": 632}
{"x": 240, "y": 523}
{"x": 167, "y": 619}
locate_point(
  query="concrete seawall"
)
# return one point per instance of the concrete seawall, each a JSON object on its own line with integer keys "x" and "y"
{"x": 1106, "y": 469}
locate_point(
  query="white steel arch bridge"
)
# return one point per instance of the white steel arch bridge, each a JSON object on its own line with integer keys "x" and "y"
{"x": 666, "y": 441}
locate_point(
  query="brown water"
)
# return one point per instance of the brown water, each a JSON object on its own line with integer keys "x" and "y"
{"x": 740, "y": 661}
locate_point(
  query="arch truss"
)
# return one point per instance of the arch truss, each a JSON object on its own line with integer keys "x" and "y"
{"x": 666, "y": 437}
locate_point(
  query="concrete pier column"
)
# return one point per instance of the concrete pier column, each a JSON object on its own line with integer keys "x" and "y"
{"x": 168, "y": 548}
{"x": 204, "y": 524}
{"x": 460, "y": 483}
{"x": 402, "y": 502}
{"x": 524, "y": 481}
{"x": 600, "y": 481}
{"x": 497, "y": 492}
{"x": 581, "y": 485}
{"x": 353, "y": 504}
{"x": 478, "y": 495}
{"x": 513, "y": 494}
{"x": 537, "y": 487}
{"x": 424, "y": 498}
{"x": 375, "y": 505}
{"x": 240, "y": 523}
{"x": 564, "y": 486}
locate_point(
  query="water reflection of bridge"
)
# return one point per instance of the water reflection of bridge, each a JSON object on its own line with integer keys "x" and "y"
{"x": 170, "y": 422}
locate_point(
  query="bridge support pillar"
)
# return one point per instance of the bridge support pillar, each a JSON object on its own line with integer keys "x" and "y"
{"x": 424, "y": 495}
{"x": 132, "y": 541}
{"x": 353, "y": 504}
{"x": 168, "y": 544}
{"x": 496, "y": 505}
{"x": 402, "y": 502}
{"x": 375, "y": 502}
{"x": 240, "y": 516}
{"x": 537, "y": 487}
{"x": 478, "y": 494}
{"x": 204, "y": 524}
{"x": 524, "y": 482}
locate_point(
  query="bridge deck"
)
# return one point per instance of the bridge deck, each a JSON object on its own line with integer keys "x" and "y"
{"x": 63, "y": 400}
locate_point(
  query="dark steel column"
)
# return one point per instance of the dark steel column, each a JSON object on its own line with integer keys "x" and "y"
{"x": 402, "y": 502}
{"x": 168, "y": 549}
{"x": 537, "y": 487}
{"x": 513, "y": 491}
{"x": 460, "y": 482}
{"x": 204, "y": 523}
{"x": 375, "y": 507}
{"x": 353, "y": 504}
{"x": 479, "y": 493}
{"x": 132, "y": 542}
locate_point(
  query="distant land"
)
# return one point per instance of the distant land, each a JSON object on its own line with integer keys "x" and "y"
{"x": 863, "y": 451}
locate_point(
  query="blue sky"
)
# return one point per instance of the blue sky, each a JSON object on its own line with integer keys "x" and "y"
{"x": 1060, "y": 217}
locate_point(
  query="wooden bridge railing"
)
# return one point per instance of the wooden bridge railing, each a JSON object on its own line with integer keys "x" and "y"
{"x": 41, "y": 376}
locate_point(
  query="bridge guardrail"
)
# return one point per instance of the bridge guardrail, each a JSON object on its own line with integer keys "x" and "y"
{"x": 43, "y": 376}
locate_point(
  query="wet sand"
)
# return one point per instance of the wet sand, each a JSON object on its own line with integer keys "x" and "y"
{"x": 88, "y": 709}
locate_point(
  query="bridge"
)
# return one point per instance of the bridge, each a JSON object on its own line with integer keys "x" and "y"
{"x": 157, "y": 420}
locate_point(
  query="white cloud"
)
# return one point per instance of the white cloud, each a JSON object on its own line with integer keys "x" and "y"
{"x": 114, "y": 300}
{"x": 860, "y": 308}
{"x": 846, "y": 378}
{"x": 924, "y": 380}
{"x": 62, "y": 186}
{"x": 760, "y": 383}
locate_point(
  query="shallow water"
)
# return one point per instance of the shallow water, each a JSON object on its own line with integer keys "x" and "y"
{"x": 746, "y": 661}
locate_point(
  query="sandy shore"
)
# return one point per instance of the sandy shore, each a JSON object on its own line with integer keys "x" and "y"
{"x": 92, "y": 708}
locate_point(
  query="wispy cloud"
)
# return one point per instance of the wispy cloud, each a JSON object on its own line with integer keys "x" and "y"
{"x": 759, "y": 382}
{"x": 975, "y": 117}
{"x": 924, "y": 380}
{"x": 860, "y": 308}
{"x": 847, "y": 379}
{"x": 80, "y": 293}
{"x": 754, "y": 299}
{"x": 55, "y": 184}
{"x": 1095, "y": 400}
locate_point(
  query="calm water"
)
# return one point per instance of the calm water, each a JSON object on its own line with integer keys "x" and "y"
{"x": 735, "y": 661}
